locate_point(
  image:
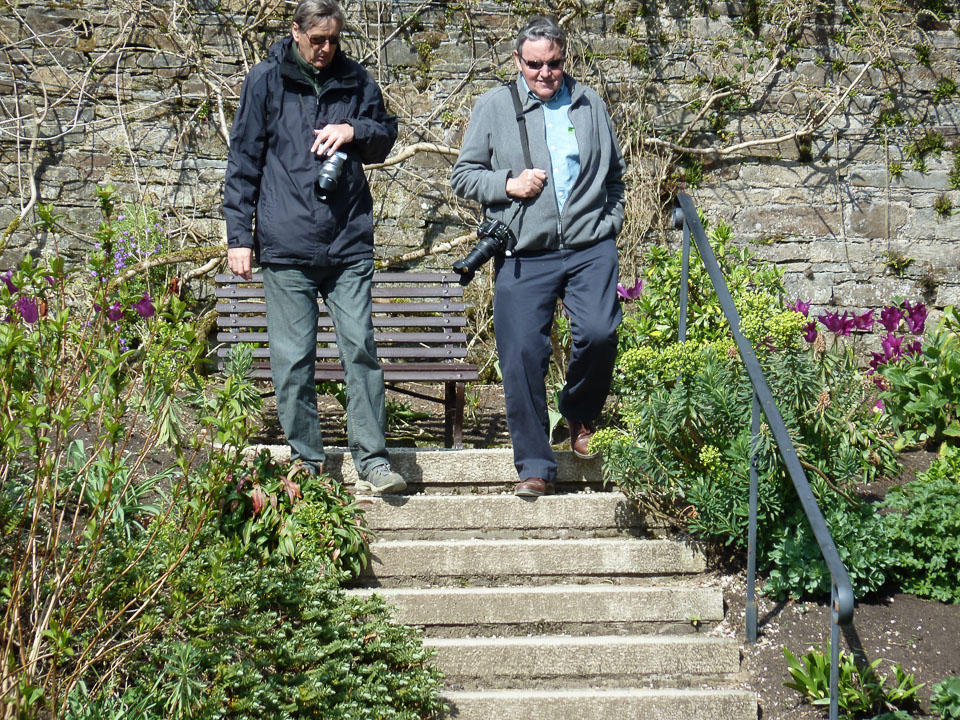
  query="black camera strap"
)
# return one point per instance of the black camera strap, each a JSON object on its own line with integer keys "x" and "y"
{"x": 522, "y": 122}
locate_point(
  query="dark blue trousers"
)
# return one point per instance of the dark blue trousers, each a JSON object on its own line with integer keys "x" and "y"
{"x": 525, "y": 299}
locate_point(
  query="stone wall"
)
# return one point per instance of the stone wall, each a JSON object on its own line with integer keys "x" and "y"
{"x": 141, "y": 95}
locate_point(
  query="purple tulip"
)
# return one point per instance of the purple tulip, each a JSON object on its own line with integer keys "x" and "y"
{"x": 838, "y": 324}
{"x": 115, "y": 312}
{"x": 810, "y": 331}
{"x": 27, "y": 307}
{"x": 864, "y": 321}
{"x": 801, "y": 307}
{"x": 891, "y": 345}
{"x": 916, "y": 317}
{"x": 630, "y": 293}
{"x": 877, "y": 360}
{"x": 913, "y": 349}
{"x": 8, "y": 279}
{"x": 890, "y": 318}
{"x": 144, "y": 307}
{"x": 878, "y": 407}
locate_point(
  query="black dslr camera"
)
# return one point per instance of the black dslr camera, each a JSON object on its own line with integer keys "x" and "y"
{"x": 495, "y": 238}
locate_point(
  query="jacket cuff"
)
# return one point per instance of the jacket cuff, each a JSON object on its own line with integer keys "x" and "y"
{"x": 496, "y": 187}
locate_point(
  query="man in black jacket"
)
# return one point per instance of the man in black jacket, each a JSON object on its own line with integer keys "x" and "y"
{"x": 304, "y": 105}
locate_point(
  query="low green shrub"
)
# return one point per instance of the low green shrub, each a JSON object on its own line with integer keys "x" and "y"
{"x": 861, "y": 689}
{"x": 266, "y": 639}
{"x": 680, "y": 444}
{"x": 146, "y": 569}
{"x": 683, "y": 450}
{"x": 923, "y": 523}
{"x": 945, "y": 700}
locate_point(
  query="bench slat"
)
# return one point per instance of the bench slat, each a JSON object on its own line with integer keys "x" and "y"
{"x": 388, "y": 351}
{"x": 460, "y": 372}
{"x": 435, "y": 338}
{"x": 325, "y": 321}
{"x": 391, "y": 308}
{"x": 378, "y": 277}
{"x": 377, "y": 292}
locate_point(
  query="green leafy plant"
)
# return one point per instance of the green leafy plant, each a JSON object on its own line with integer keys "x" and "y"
{"x": 945, "y": 700}
{"x": 682, "y": 443}
{"x": 923, "y": 520}
{"x": 945, "y": 90}
{"x": 861, "y": 689}
{"x": 943, "y": 205}
{"x": 895, "y": 168}
{"x": 897, "y": 262}
{"x": 922, "y": 391}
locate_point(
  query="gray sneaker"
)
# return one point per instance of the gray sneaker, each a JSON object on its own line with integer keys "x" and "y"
{"x": 381, "y": 480}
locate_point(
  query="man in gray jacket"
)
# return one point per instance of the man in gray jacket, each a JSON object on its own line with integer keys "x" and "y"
{"x": 566, "y": 212}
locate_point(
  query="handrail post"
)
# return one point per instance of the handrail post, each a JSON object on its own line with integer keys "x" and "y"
{"x": 751, "y": 608}
{"x": 834, "y": 651}
{"x": 684, "y": 281}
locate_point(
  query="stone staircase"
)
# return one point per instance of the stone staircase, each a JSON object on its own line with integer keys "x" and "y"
{"x": 563, "y": 607}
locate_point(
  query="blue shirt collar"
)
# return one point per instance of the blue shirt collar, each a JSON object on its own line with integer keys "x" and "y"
{"x": 560, "y": 97}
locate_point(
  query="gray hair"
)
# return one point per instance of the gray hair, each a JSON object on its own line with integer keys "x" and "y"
{"x": 310, "y": 12}
{"x": 541, "y": 27}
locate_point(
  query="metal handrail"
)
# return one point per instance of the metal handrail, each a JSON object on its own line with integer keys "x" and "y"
{"x": 841, "y": 596}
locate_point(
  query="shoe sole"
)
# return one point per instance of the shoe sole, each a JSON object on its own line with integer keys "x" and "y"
{"x": 368, "y": 488}
{"x": 528, "y": 493}
{"x": 589, "y": 456}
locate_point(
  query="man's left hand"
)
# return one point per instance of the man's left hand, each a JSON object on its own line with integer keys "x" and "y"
{"x": 331, "y": 137}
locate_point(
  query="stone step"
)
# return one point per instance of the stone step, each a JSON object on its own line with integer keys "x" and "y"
{"x": 600, "y": 704}
{"x": 456, "y": 471}
{"x": 585, "y": 514}
{"x": 563, "y": 661}
{"x": 528, "y": 562}
{"x": 555, "y": 609}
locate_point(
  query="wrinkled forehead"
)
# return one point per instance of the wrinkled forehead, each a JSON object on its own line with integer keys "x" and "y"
{"x": 322, "y": 23}
{"x": 543, "y": 46}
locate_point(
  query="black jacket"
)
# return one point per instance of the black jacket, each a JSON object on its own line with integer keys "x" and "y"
{"x": 272, "y": 174}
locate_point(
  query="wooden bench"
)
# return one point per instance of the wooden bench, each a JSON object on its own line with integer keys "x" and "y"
{"x": 418, "y": 321}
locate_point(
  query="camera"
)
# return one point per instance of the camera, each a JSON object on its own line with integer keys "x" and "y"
{"x": 495, "y": 237}
{"x": 329, "y": 174}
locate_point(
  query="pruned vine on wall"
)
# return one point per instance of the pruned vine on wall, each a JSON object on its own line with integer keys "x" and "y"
{"x": 127, "y": 81}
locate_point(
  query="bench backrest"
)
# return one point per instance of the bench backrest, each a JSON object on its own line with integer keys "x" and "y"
{"x": 419, "y": 318}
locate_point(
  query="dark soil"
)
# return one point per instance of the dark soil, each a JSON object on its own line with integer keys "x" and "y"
{"x": 922, "y": 635}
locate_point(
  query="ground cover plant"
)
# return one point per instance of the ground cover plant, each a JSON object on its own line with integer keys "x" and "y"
{"x": 681, "y": 442}
{"x": 137, "y": 536}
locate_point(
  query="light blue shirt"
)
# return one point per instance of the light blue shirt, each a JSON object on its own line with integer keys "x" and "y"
{"x": 561, "y": 141}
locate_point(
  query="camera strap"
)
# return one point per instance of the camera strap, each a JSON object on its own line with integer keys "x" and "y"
{"x": 522, "y": 122}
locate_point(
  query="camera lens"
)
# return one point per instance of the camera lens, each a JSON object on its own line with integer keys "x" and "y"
{"x": 329, "y": 174}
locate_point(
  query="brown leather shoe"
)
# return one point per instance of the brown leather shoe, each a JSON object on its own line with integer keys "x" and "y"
{"x": 533, "y": 487}
{"x": 580, "y": 434}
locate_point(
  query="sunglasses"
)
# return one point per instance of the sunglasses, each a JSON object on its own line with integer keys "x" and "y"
{"x": 321, "y": 40}
{"x": 537, "y": 64}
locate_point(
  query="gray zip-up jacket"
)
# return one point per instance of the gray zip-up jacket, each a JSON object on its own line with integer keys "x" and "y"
{"x": 491, "y": 153}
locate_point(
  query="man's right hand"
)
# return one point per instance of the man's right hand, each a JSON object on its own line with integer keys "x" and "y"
{"x": 240, "y": 260}
{"x": 527, "y": 184}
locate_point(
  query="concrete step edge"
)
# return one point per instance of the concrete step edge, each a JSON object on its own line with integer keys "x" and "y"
{"x": 596, "y": 661}
{"x": 601, "y": 704}
{"x": 533, "y": 558}
{"x": 580, "y": 514}
{"x": 452, "y": 468}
